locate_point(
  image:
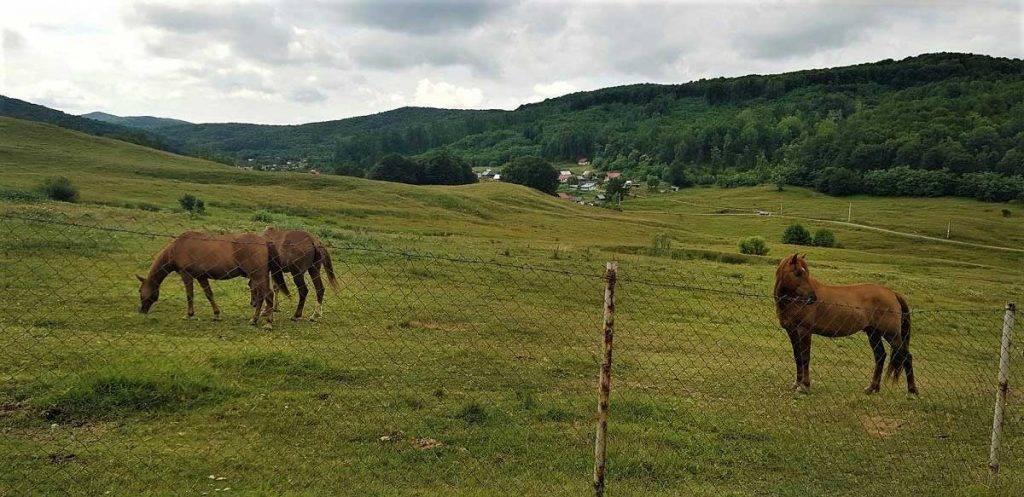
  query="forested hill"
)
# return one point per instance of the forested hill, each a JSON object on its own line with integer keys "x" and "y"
{"x": 20, "y": 109}
{"x": 141, "y": 122}
{"x": 921, "y": 123}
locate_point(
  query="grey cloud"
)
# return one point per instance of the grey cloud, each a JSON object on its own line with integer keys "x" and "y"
{"x": 397, "y": 52}
{"x": 252, "y": 31}
{"x": 307, "y": 95}
{"x": 13, "y": 40}
{"x": 791, "y": 32}
{"x": 418, "y": 17}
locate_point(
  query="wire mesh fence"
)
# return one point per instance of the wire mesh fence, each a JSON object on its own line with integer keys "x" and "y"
{"x": 429, "y": 373}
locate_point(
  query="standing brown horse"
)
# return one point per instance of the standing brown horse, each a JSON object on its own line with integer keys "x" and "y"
{"x": 806, "y": 306}
{"x": 300, "y": 252}
{"x": 202, "y": 256}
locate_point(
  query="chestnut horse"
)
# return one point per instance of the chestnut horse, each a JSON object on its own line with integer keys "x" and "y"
{"x": 300, "y": 252}
{"x": 806, "y": 306}
{"x": 202, "y": 257}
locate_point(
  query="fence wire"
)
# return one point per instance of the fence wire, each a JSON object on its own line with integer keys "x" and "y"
{"x": 430, "y": 373}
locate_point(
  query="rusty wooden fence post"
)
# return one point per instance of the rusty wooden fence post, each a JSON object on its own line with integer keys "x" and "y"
{"x": 1004, "y": 386}
{"x": 604, "y": 386}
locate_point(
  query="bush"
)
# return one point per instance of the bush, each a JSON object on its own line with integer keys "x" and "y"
{"x": 1007, "y": 213}
{"x": 263, "y": 216}
{"x": 753, "y": 245}
{"x": 59, "y": 189}
{"x": 824, "y": 238}
{"x": 192, "y": 204}
{"x": 796, "y": 234}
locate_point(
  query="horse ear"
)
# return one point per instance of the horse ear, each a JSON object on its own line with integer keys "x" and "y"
{"x": 141, "y": 279}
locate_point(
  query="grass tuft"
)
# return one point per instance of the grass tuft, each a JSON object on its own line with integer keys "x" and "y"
{"x": 473, "y": 413}
{"x": 109, "y": 395}
{"x": 281, "y": 365}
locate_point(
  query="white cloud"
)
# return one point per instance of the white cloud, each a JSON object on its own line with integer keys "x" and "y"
{"x": 553, "y": 89}
{"x": 446, "y": 95}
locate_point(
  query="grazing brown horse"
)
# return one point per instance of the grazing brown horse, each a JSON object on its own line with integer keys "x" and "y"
{"x": 300, "y": 252}
{"x": 202, "y": 256}
{"x": 806, "y": 306}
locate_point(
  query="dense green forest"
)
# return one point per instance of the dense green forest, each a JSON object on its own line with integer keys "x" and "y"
{"x": 20, "y": 109}
{"x": 931, "y": 125}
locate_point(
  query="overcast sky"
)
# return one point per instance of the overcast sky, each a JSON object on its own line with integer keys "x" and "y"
{"x": 286, "y": 61}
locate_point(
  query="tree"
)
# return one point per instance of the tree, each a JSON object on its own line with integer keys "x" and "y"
{"x": 533, "y": 172}
{"x": 397, "y": 168}
{"x": 796, "y": 234}
{"x": 441, "y": 167}
{"x": 615, "y": 187}
{"x": 838, "y": 181}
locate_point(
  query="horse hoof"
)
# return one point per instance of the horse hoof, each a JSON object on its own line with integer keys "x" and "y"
{"x": 871, "y": 389}
{"x": 296, "y": 318}
{"x": 912, "y": 391}
{"x": 268, "y": 327}
{"x": 216, "y": 317}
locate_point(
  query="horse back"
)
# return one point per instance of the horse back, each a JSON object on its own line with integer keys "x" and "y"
{"x": 296, "y": 249}
{"x": 219, "y": 256}
{"x": 865, "y": 305}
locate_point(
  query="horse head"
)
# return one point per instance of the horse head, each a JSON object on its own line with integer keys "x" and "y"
{"x": 793, "y": 280}
{"x": 149, "y": 293}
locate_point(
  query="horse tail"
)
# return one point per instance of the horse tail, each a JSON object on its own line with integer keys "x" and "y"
{"x": 276, "y": 271}
{"x": 325, "y": 258}
{"x": 901, "y": 344}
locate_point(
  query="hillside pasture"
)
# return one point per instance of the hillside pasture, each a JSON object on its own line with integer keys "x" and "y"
{"x": 461, "y": 352}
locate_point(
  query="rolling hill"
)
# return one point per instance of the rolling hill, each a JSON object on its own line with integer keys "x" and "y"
{"x": 459, "y": 353}
{"x": 140, "y": 122}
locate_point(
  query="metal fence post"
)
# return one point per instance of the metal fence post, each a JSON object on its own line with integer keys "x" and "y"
{"x": 604, "y": 387}
{"x": 1004, "y": 372}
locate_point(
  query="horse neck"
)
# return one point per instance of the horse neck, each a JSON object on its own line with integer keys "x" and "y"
{"x": 160, "y": 268}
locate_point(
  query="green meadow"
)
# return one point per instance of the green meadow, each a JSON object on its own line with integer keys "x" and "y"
{"x": 460, "y": 354}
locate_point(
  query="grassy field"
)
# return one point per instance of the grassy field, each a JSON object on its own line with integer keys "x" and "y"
{"x": 460, "y": 354}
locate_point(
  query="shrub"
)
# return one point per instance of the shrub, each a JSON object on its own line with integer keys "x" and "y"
{"x": 192, "y": 204}
{"x": 796, "y": 234}
{"x": 753, "y": 245}
{"x": 59, "y": 189}
{"x": 824, "y": 238}
{"x": 1007, "y": 213}
{"x": 12, "y": 195}
{"x": 263, "y": 216}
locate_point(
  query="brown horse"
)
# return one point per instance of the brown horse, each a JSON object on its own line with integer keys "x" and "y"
{"x": 806, "y": 306}
{"x": 202, "y": 256}
{"x": 300, "y": 252}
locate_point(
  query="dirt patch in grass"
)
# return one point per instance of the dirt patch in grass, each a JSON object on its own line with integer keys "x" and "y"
{"x": 881, "y": 426}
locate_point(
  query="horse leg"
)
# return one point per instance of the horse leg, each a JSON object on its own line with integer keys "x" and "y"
{"x": 908, "y": 366}
{"x": 318, "y": 285}
{"x": 205, "y": 283}
{"x": 805, "y": 355}
{"x": 256, "y": 302}
{"x": 794, "y": 340}
{"x": 186, "y": 280}
{"x": 300, "y": 283}
{"x": 875, "y": 341}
